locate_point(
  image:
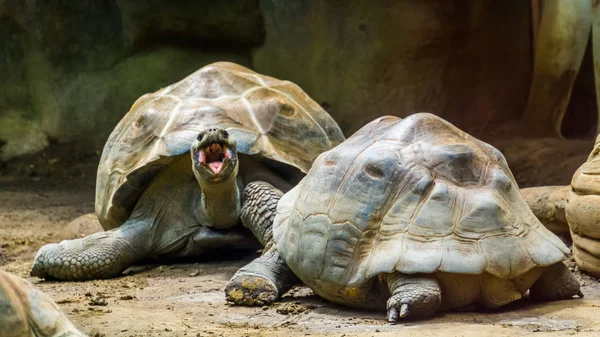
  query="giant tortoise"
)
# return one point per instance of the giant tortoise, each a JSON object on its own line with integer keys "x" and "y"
{"x": 156, "y": 198}
{"x": 416, "y": 216}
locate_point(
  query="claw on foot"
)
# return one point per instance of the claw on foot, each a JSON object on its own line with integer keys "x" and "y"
{"x": 404, "y": 310}
{"x": 412, "y": 305}
{"x": 394, "y": 314}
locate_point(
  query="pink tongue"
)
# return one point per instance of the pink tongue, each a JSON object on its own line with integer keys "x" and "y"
{"x": 216, "y": 166}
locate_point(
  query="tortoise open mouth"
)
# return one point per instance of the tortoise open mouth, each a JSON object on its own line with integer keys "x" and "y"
{"x": 215, "y": 156}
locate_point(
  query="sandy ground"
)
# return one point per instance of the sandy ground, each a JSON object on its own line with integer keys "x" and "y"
{"x": 38, "y": 206}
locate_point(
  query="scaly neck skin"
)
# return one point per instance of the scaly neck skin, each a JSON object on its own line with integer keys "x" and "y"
{"x": 221, "y": 202}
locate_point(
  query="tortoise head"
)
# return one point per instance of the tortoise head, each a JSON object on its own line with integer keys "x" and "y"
{"x": 214, "y": 156}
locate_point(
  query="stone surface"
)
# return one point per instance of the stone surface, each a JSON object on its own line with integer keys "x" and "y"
{"x": 559, "y": 52}
{"x": 72, "y": 35}
{"x": 19, "y": 136}
{"x": 13, "y": 84}
{"x": 469, "y": 62}
{"x": 87, "y": 105}
{"x": 71, "y": 69}
{"x": 237, "y": 22}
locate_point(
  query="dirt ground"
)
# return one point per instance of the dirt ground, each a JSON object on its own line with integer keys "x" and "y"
{"x": 44, "y": 199}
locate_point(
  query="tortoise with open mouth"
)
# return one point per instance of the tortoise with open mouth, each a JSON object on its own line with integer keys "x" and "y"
{"x": 172, "y": 174}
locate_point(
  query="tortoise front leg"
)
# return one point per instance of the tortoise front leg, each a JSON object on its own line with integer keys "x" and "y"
{"x": 268, "y": 277}
{"x": 97, "y": 256}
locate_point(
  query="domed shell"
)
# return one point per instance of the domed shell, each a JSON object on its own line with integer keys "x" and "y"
{"x": 263, "y": 115}
{"x": 26, "y": 311}
{"x": 416, "y": 195}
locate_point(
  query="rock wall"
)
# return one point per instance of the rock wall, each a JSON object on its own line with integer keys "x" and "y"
{"x": 71, "y": 69}
{"x": 467, "y": 61}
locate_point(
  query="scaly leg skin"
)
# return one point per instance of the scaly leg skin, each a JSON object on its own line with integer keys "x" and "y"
{"x": 97, "y": 256}
{"x": 413, "y": 296}
{"x": 556, "y": 283}
{"x": 265, "y": 279}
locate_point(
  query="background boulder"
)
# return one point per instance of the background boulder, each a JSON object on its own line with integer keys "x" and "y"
{"x": 466, "y": 61}
{"x": 71, "y": 69}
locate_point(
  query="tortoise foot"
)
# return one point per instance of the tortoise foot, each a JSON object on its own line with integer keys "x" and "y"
{"x": 412, "y": 296}
{"x": 414, "y": 304}
{"x": 260, "y": 282}
{"x": 97, "y": 256}
{"x": 556, "y": 283}
{"x": 251, "y": 290}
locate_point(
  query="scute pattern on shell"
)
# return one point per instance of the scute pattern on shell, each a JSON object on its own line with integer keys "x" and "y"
{"x": 416, "y": 195}
{"x": 26, "y": 310}
{"x": 263, "y": 115}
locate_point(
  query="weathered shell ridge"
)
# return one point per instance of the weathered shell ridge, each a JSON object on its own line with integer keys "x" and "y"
{"x": 415, "y": 195}
{"x": 263, "y": 115}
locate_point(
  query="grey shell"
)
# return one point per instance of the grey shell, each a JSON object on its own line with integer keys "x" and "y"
{"x": 264, "y": 116}
{"x": 416, "y": 195}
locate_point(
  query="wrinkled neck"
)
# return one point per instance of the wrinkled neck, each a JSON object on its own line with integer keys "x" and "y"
{"x": 221, "y": 202}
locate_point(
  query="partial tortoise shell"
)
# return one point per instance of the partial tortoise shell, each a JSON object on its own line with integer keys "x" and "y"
{"x": 263, "y": 115}
{"x": 416, "y": 195}
{"x": 26, "y": 311}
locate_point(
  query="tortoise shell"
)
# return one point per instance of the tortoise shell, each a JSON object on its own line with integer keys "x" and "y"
{"x": 263, "y": 115}
{"x": 416, "y": 195}
{"x": 26, "y": 311}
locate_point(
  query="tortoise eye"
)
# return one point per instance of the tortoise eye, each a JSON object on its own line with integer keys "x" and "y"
{"x": 225, "y": 134}
{"x": 200, "y": 136}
